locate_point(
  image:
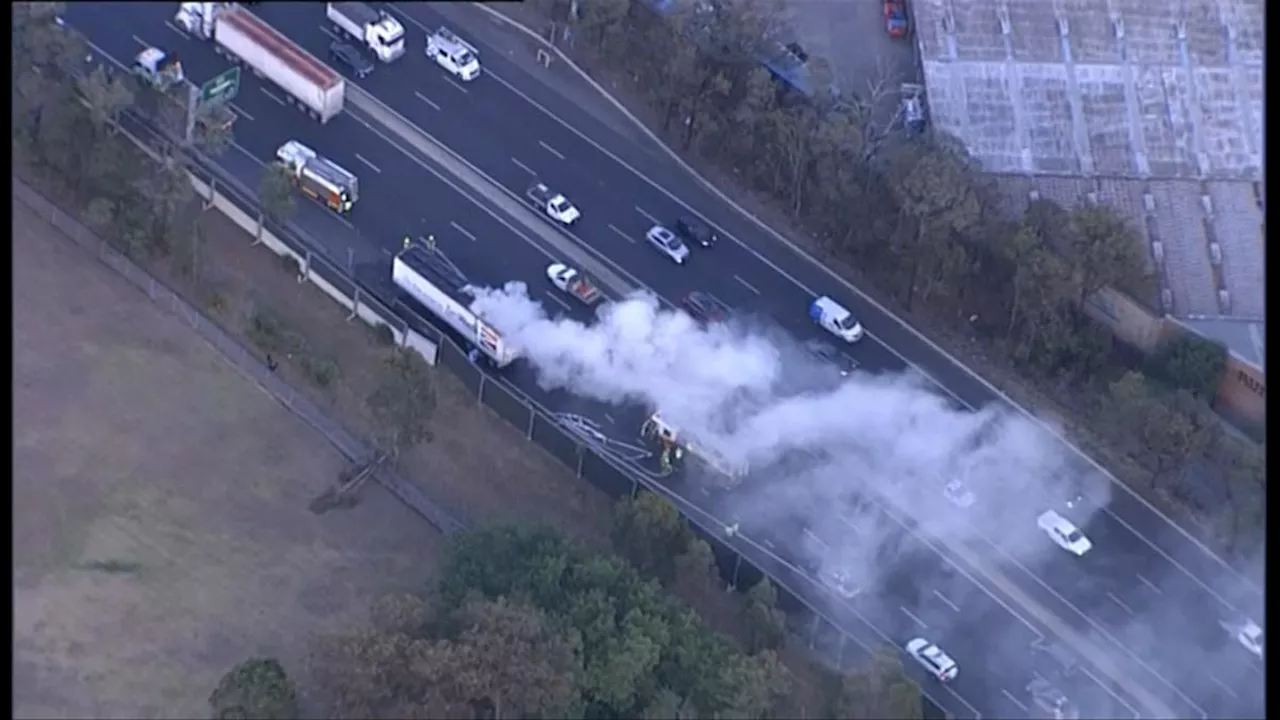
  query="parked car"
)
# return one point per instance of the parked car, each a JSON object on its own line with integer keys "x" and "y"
{"x": 350, "y": 57}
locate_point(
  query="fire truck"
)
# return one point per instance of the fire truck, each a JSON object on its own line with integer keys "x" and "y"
{"x": 319, "y": 178}
{"x": 674, "y": 447}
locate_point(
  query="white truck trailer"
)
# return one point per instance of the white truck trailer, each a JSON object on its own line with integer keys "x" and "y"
{"x": 429, "y": 277}
{"x": 378, "y": 31}
{"x": 241, "y": 36}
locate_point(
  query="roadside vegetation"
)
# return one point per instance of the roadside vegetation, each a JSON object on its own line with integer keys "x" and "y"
{"x": 927, "y": 234}
{"x": 525, "y": 623}
{"x": 521, "y": 622}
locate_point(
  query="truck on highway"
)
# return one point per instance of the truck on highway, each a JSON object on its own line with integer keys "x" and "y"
{"x": 552, "y": 204}
{"x": 319, "y": 178}
{"x": 674, "y": 444}
{"x": 427, "y": 275}
{"x": 451, "y": 53}
{"x": 573, "y": 282}
{"x": 240, "y": 35}
{"x": 374, "y": 29}
{"x": 157, "y": 68}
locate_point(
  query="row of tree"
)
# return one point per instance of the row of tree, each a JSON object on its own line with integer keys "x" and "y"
{"x": 524, "y": 623}
{"x": 921, "y": 222}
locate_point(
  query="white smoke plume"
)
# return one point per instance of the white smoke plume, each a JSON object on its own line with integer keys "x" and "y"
{"x": 733, "y": 388}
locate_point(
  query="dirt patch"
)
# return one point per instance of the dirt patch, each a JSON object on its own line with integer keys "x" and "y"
{"x": 478, "y": 466}
{"x": 161, "y": 525}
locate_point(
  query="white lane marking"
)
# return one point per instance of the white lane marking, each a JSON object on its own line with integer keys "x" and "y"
{"x": 240, "y": 111}
{"x": 270, "y": 95}
{"x": 1143, "y": 579}
{"x": 462, "y": 230}
{"x": 141, "y": 42}
{"x": 770, "y": 545}
{"x": 330, "y": 33}
{"x": 816, "y": 539}
{"x": 609, "y": 418}
{"x": 551, "y": 150}
{"x": 628, "y": 237}
{"x": 647, "y": 216}
{"x": 1225, "y": 688}
{"x": 1119, "y": 602}
{"x": 746, "y": 284}
{"x": 1014, "y": 700}
{"x": 917, "y": 620}
{"x": 365, "y": 160}
{"x": 523, "y": 167}
{"x": 559, "y": 301}
{"x": 818, "y": 265}
{"x": 169, "y": 24}
{"x": 425, "y": 99}
{"x": 385, "y": 252}
{"x": 460, "y": 88}
{"x": 947, "y": 601}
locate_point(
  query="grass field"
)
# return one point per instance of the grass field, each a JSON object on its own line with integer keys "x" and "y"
{"x": 161, "y": 523}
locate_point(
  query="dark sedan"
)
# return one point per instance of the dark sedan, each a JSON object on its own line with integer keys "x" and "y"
{"x": 695, "y": 233}
{"x": 350, "y": 57}
{"x": 705, "y": 307}
{"x": 830, "y": 355}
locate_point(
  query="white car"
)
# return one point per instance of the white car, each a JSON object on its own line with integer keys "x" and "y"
{"x": 958, "y": 493}
{"x": 835, "y": 319}
{"x": 668, "y": 243}
{"x": 931, "y": 658}
{"x": 841, "y": 583}
{"x": 1250, "y": 636}
{"x": 1065, "y": 534}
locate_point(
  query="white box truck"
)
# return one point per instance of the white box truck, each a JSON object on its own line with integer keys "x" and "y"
{"x": 241, "y": 36}
{"x": 379, "y": 32}
{"x": 430, "y": 278}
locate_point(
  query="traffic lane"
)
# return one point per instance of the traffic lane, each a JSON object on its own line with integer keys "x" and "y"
{"x": 919, "y": 595}
{"x": 1144, "y": 520}
{"x": 799, "y": 583}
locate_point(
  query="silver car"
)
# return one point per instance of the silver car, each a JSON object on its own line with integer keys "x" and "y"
{"x": 667, "y": 243}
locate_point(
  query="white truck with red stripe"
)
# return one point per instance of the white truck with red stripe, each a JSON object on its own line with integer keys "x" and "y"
{"x": 244, "y": 38}
{"x": 429, "y": 277}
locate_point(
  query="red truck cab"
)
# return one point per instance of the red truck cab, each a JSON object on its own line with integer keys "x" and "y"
{"x": 895, "y": 19}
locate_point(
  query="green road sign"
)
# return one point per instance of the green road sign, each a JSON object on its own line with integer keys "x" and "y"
{"x": 221, "y": 88}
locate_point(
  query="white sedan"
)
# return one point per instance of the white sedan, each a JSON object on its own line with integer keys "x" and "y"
{"x": 1250, "y": 636}
{"x": 931, "y": 658}
{"x": 667, "y": 243}
{"x": 959, "y": 494}
{"x": 1064, "y": 533}
{"x": 841, "y": 582}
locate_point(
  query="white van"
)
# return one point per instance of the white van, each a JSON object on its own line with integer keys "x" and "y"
{"x": 451, "y": 53}
{"x": 835, "y": 319}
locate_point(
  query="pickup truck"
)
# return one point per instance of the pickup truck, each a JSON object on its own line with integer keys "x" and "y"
{"x": 553, "y": 204}
{"x": 573, "y": 282}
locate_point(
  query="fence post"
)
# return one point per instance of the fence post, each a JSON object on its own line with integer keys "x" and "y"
{"x": 544, "y": 58}
{"x": 840, "y": 650}
{"x": 813, "y": 632}
{"x": 304, "y": 272}
{"x": 355, "y": 303}
{"x": 257, "y": 235}
{"x": 582, "y": 461}
{"x": 480, "y": 389}
{"x": 532, "y": 416}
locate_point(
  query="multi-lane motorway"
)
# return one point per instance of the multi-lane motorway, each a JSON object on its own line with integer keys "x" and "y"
{"x": 1147, "y": 595}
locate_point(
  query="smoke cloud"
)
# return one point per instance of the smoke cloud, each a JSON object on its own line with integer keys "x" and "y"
{"x": 837, "y": 465}
{"x": 748, "y": 393}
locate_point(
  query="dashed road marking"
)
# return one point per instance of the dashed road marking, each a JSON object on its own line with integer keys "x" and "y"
{"x": 425, "y": 99}
{"x": 365, "y": 160}
{"x": 1119, "y": 602}
{"x": 462, "y": 230}
{"x": 559, "y": 301}
{"x": 628, "y": 237}
{"x": 523, "y": 167}
{"x": 647, "y": 216}
{"x": 1014, "y": 700}
{"x": 269, "y": 94}
{"x": 746, "y": 284}
{"x": 947, "y": 601}
{"x": 911, "y": 615}
{"x": 551, "y": 150}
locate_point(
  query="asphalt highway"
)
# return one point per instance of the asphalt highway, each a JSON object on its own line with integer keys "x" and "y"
{"x": 493, "y": 124}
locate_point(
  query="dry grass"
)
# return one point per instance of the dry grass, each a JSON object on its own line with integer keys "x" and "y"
{"x": 161, "y": 523}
